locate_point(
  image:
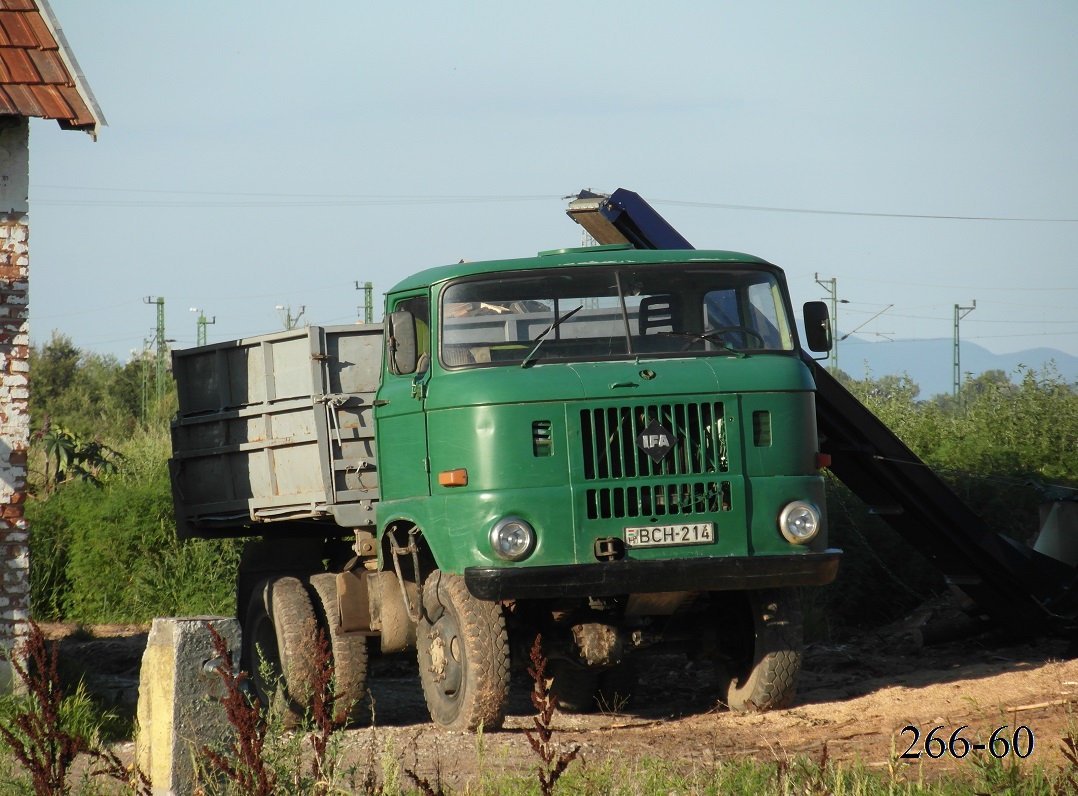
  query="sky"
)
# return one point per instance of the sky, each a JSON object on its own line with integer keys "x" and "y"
{"x": 273, "y": 154}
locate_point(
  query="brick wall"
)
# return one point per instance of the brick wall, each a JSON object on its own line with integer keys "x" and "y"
{"x": 14, "y": 382}
{"x": 14, "y": 427}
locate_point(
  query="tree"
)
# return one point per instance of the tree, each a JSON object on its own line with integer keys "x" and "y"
{"x": 85, "y": 392}
{"x": 53, "y": 368}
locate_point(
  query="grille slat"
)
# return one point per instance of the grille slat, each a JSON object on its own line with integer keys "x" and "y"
{"x": 609, "y": 437}
{"x": 658, "y": 500}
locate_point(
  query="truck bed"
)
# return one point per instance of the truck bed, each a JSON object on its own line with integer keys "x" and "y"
{"x": 275, "y": 428}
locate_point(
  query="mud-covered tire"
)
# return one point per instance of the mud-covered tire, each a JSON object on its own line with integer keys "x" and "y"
{"x": 761, "y": 646}
{"x": 575, "y": 687}
{"x": 463, "y": 652}
{"x": 348, "y": 651}
{"x": 279, "y": 637}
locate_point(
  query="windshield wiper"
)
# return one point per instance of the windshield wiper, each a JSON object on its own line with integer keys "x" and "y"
{"x": 710, "y": 338}
{"x": 542, "y": 336}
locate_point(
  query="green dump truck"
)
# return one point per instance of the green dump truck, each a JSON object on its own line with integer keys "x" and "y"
{"x": 614, "y": 449}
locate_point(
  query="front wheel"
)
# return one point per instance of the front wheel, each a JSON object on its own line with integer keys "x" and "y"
{"x": 761, "y": 639}
{"x": 463, "y": 656}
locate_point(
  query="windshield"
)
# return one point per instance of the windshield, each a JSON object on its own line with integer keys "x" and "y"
{"x": 613, "y": 313}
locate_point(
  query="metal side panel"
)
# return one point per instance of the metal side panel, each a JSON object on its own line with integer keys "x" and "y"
{"x": 277, "y": 427}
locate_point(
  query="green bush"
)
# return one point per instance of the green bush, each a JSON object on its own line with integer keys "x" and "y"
{"x": 1003, "y": 448}
{"x": 109, "y": 553}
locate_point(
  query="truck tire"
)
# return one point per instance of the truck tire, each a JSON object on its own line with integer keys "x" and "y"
{"x": 463, "y": 651}
{"x": 761, "y": 649}
{"x": 279, "y": 638}
{"x": 582, "y": 690}
{"x": 575, "y": 687}
{"x": 348, "y": 651}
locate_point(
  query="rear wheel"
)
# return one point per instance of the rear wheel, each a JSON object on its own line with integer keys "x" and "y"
{"x": 463, "y": 655}
{"x": 617, "y": 687}
{"x": 279, "y": 638}
{"x": 583, "y": 690}
{"x": 761, "y": 641}
{"x": 575, "y": 687}
{"x": 348, "y": 651}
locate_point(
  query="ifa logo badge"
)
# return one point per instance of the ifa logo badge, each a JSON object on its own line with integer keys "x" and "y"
{"x": 656, "y": 441}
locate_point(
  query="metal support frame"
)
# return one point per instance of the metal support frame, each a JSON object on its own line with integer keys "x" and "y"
{"x": 959, "y": 314}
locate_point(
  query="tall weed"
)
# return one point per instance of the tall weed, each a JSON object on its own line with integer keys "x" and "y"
{"x": 47, "y": 731}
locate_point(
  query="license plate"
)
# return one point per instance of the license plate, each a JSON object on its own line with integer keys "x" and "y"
{"x": 670, "y": 535}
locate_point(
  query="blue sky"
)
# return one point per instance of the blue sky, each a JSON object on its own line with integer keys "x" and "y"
{"x": 272, "y": 154}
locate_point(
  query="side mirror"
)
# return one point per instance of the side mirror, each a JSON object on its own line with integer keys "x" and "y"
{"x": 401, "y": 356}
{"x": 817, "y": 326}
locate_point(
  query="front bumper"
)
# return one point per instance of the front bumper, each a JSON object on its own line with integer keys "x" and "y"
{"x": 606, "y": 579}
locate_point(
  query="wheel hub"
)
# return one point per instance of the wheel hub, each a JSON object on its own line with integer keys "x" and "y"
{"x": 445, "y": 657}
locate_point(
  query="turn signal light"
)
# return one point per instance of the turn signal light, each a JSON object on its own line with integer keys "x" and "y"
{"x": 453, "y": 477}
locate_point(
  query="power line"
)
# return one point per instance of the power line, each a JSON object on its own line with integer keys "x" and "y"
{"x": 862, "y": 341}
{"x": 766, "y": 209}
{"x": 977, "y": 321}
{"x": 378, "y": 197}
{"x": 955, "y": 287}
{"x": 289, "y": 202}
{"x": 330, "y": 200}
{"x": 93, "y": 311}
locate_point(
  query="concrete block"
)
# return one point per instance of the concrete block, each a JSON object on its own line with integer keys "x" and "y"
{"x": 178, "y": 704}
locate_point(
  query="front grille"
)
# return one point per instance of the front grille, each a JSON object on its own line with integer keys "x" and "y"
{"x": 609, "y": 436}
{"x": 655, "y": 500}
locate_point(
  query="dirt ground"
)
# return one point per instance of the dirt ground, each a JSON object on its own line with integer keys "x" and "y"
{"x": 856, "y": 698}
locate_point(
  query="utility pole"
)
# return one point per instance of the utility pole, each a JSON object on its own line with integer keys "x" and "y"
{"x": 959, "y": 314}
{"x": 201, "y": 323}
{"x": 368, "y": 301}
{"x": 162, "y": 346}
{"x": 145, "y": 372}
{"x": 831, "y": 286}
{"x": 289, "y": 322}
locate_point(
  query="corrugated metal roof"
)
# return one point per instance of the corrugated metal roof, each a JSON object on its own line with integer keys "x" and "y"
{"x": 39, "y": 76}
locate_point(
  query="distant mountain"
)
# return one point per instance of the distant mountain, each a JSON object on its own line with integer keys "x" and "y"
{"x": 930, "y": 363}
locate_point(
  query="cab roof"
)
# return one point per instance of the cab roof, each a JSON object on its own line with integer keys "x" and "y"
{"x": 563, "y": 258}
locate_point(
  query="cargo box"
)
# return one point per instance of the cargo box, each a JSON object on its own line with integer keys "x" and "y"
{"x": 274, "y": 428}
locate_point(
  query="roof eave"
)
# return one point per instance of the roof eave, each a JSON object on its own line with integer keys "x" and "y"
{"x": 75, "y": 70}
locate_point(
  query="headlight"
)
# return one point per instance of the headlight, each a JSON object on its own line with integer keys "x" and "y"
{"x": 799, "y": 522}
{"x": 512, "y": 539}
